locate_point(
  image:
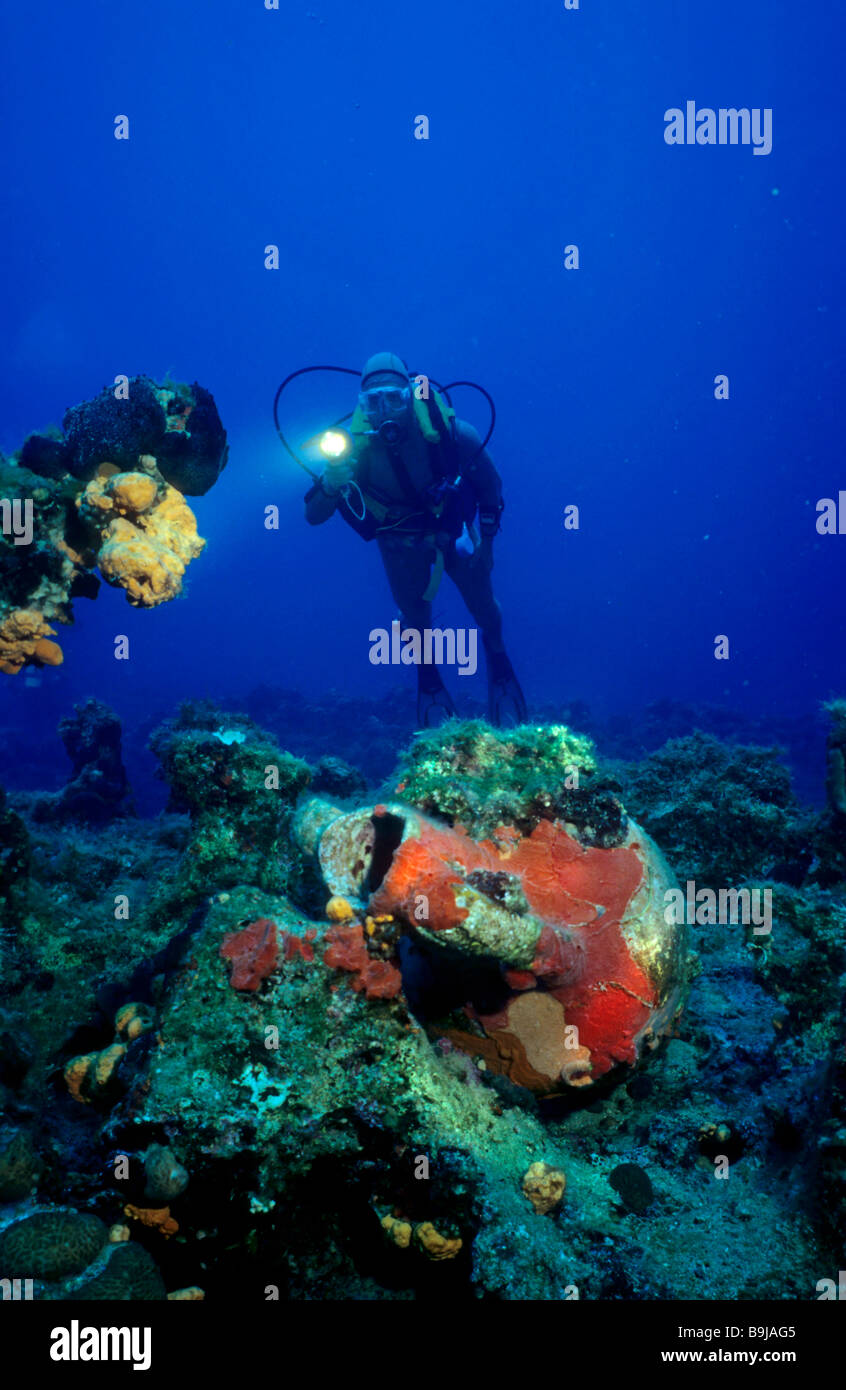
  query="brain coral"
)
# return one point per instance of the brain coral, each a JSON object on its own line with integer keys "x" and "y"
{"x": 124, "y": 1271}
{"x": 50, "y": 1244}
{"x": 71, "y": 1252}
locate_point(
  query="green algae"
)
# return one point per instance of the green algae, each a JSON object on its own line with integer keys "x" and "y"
{"x": 240, "y": 794}
{"x": 470, "y": 774}
{"x": 721, "y": 813}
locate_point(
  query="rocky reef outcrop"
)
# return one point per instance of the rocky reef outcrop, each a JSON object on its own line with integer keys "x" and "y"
{"x": 98, "y": 787}
{"x": 106, "y": 495}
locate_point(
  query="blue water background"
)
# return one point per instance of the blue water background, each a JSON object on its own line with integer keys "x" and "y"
{"x": 295, "y": 127}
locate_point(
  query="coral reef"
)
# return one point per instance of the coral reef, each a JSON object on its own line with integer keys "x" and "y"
{"x": 98, "y": 788}
{"x": 108, "y": 495}
{"x": 720, "y": 813}
{"x": 15, "y": 855}
{"x": 239, "y": 789}
{"x": 835, "y": 782}
{"x": 369, "y": 732}
{"x": 341, "y": 1143}
{"x": 337, "y": 779}
{"x": 830, "y": 838}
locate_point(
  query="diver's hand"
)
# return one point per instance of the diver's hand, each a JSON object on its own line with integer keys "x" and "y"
{"x": 335, "y": 477}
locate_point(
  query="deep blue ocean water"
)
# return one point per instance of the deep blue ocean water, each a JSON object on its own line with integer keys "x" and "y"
{"x": 295, "y": 127}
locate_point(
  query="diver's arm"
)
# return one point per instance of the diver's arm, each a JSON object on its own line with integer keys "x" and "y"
{"x": 482, "y": 475}
{"x": 319, "y": 504}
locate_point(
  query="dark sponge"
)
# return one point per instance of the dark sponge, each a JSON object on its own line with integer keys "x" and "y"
{"x": 193, "y": 459}
{"x": 632, "y": 1184}
{"x": 49, "y": 458}
{"x": 106, "y": 430}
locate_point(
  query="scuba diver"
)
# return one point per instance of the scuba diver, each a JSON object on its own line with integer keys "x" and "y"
{"x": 414, "y": 477}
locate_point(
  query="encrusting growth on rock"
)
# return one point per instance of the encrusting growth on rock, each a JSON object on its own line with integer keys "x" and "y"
{"x": 544, "y": 1186}
{"x": 148, "y": 535}
{"x": 108, "y": 495}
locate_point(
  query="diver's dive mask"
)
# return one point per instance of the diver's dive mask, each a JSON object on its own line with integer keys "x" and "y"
{"x": 386, "y": 410}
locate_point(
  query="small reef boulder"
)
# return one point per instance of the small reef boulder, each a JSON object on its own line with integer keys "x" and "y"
{"x": 239, "y": 789}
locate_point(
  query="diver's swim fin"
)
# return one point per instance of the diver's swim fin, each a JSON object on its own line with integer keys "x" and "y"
{"x": 434, "y": 702}
{"x": 506, "y": 701}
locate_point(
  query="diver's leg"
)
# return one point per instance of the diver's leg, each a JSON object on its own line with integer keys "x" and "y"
{"x": 473, "y": 581}
{"x": 408, "y": 570}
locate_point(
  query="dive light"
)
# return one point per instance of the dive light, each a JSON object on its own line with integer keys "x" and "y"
{"x": 335, "y": 444}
